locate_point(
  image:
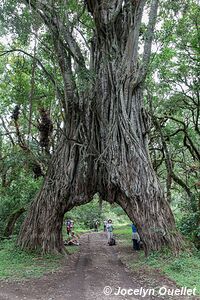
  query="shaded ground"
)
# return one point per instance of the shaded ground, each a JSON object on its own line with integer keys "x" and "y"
{"x": 85, "y": 275}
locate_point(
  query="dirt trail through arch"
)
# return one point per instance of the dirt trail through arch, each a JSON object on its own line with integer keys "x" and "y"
{"x": 85, "y": 276}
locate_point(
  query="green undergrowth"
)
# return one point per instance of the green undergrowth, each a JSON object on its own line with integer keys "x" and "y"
{"x": 17, "y": 264}
{"x": 124, "y": 231}
{"x": 184, "y": 269}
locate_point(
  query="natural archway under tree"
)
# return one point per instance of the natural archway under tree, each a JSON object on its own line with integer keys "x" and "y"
{"x": 104, "y": 146}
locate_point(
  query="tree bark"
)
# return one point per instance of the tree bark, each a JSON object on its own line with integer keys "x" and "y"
{"x": 67, "y": 184}
{"x": 105, "y": 146}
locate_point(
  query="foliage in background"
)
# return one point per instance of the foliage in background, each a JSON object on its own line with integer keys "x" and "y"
{"x": 173, "y": 101}
{"x": 20, "y": 194}
{"x": 18, "y": 187}
{"x": 85, "y": 216}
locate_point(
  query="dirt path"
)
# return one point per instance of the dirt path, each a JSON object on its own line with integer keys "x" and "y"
{"x": 85, "y": 276}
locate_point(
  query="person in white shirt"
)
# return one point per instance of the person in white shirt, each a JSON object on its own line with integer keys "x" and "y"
{"x": 109, "y": 228}
{"x": 104, "y": 225}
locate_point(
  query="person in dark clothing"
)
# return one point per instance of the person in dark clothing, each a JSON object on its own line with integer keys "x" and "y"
{"x": 105, "y": 225}
{"x": 135, "y": 238}
{"x": 68, "y": 226}
{"x": 96, "y": 225}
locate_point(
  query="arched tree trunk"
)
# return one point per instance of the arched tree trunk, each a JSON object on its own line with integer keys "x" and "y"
{"x": 124, "y": 123}
{"x": 105, "y": 146}
{"x": 65, "y": 186}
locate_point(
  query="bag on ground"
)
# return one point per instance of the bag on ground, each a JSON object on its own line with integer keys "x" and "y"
{"x": 112, "y": 242}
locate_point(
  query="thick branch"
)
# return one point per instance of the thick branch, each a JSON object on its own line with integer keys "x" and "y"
{"x": 132, "y": 42}
{"x": 149, "y": 36}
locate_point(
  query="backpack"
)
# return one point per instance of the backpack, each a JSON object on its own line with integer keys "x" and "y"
{"x": 112, "y": 242}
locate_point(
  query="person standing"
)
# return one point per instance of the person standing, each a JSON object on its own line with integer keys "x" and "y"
{"x": 104, "y": 225}
{"x": 71, "y": 225}
{"x": 109, "y": 228}
{"x": 96, "y": 225}
{"x": 68, "y": 226}
{"x": 135, "y": 238}
{"x": 134, "y": 229}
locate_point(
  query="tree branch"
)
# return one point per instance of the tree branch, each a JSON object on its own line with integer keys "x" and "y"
{"x": 149, "y": 37}
{"x": 131, "y": 51}
{"x": 49, "y": 15}
{"x": 7, "y": 131}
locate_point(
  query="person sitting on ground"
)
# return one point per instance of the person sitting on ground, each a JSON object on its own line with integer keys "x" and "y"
{"x": 135, "y": 238}
{"x": 73, "y": 240}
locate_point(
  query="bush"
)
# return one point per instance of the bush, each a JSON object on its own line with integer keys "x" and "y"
{"x": 19, "y": 194}
{"x": 188, "y": 217}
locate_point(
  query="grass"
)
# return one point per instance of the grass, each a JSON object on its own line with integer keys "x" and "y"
{"x": 72, "y": 249}
{"x": 124, "y": 231}
{"x": 17, "y": 264}
{"x": 184, "y": 269}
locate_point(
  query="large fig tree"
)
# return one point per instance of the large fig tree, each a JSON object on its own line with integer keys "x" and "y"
{"x": 104, "y": 145}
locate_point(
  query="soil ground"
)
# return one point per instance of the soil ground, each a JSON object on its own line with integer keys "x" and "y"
{"x": 85, "y": 275}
